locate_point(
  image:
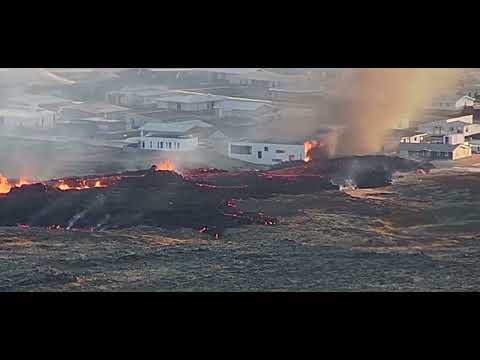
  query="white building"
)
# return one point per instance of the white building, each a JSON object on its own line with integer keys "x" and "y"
{"x": 189, "y": 103}
{"x": 434, "y": 151}
{"x": 446, "y": 139}
{"x": 458, "y": 125}
{"x": 17, "y": 118}
{"x": 136, "y": 97}
{"x": 240, "y": 108}
{"x": 414, "y": 137}
{"x": 266, "y": 152}
{"x": 174, "y": 136}
{"x": 93, "y": 109}
{"x": 450, "y": 103}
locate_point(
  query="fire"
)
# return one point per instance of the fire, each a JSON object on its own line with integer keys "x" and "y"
{"x": 166, "y": 165}
{"x": 310, "y": 146}
{"x": 6, "y": 186}
{"x": 64, "y": 186}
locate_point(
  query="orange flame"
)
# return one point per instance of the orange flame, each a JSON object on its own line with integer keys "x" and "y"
{"x": 309, "y": 145}
{"x": 6, "y": 186}
{"x": 64, "y": 186}
{"x": 166, "y": 165}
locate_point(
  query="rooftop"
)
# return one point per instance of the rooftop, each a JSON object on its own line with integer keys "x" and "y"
{"x": 429, "y": 147}
{"x": 273, "y": 140}
{"x": 101, "y": 119}
{"x": 97, "y": 107}
{"x": 231, "y": 105}
{"x": 35, "y": 100}
{"x": 190, "y": 99}
{"x": 174, "y": 127}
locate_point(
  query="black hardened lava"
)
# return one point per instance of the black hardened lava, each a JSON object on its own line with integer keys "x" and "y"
{"x": 202, "y": 199}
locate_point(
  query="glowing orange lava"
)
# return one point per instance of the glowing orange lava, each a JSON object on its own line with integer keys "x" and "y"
{"x": 166, "y": 165}
{"x": 64, "y": 186}
{"x": 6, "y": 186}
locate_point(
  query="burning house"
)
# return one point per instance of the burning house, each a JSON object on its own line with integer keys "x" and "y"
{"x": 266, "y": 151}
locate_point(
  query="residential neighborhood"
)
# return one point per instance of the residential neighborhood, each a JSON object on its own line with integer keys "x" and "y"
{"x": 240, "y": 114}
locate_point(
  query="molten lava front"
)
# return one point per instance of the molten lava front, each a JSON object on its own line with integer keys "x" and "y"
{"x": 207, "y": 200}
{"x": 166, "y": 165}
{"x": 6, "y": 185}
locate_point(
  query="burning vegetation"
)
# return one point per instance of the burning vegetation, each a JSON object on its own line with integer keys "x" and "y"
{"x": 203, "y": 199}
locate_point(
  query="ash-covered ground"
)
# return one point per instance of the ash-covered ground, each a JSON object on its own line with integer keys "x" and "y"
{"x": 420, "y": 234}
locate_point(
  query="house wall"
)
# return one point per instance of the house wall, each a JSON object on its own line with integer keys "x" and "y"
{"x": 163, "y": 143}
{"x": 204, "y": 106}
{"x": 36, "y": 119}
{"x": 270, "y": 154}
{"x": 462, "y": 152}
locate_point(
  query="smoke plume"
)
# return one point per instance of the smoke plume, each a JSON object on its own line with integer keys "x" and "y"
{"x": 368, "y": 102}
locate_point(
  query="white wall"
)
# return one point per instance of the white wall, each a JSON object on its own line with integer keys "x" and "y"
{"x": 177, "y": 144}
{"x": 32, "y": 119}
{"x": 269, "y": 157}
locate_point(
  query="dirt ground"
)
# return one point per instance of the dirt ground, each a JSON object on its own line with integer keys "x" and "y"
{"x": 420, "y": 234}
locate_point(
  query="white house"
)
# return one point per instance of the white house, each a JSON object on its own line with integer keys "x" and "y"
{"x": 434, "y": 151}
{"x": 93, "y": 109}
{"x": 136, "y": 97}
{"x": 450, "y": 102}
{"x": 18, "y": 118}
{"x": 446, "y": 139}
{"x": 414, "y": 137}
{"x": 458, "y": 125}
{"x": 173, "y": 136}
{"x": 256, "y": 109}
{"x": 266, "y": 152}
{"x": 191, "y": 102}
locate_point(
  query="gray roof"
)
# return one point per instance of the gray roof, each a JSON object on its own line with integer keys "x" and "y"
{"x": 450, "y": 98}
{"x": 191, "y": 99}
{"x": 96, "y": 107}
{"x": 174, "y": 127}
{"x": 428, "y": 147}
{"x": 232, "y": 105}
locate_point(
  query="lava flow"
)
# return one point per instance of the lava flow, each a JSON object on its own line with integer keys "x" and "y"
{"x": 165, "y": 165}
{"x": 6, "y": 186}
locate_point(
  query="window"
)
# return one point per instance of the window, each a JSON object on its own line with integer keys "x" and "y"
{"x": 143, "y": 144}
{"x": 158, "y": 144}
{"x": 161, "y": 144}
{"x": 169, "y": 145}
{"x": 151, "y": 145}
{"x": 265, "y": 148}
{"x": 259, "y": 154}
{"x": 280, "y": 151}
{"x": 241, "y": 149}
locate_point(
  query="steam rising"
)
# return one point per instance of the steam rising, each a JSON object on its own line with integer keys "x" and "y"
{"x": 367, "y": 102}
